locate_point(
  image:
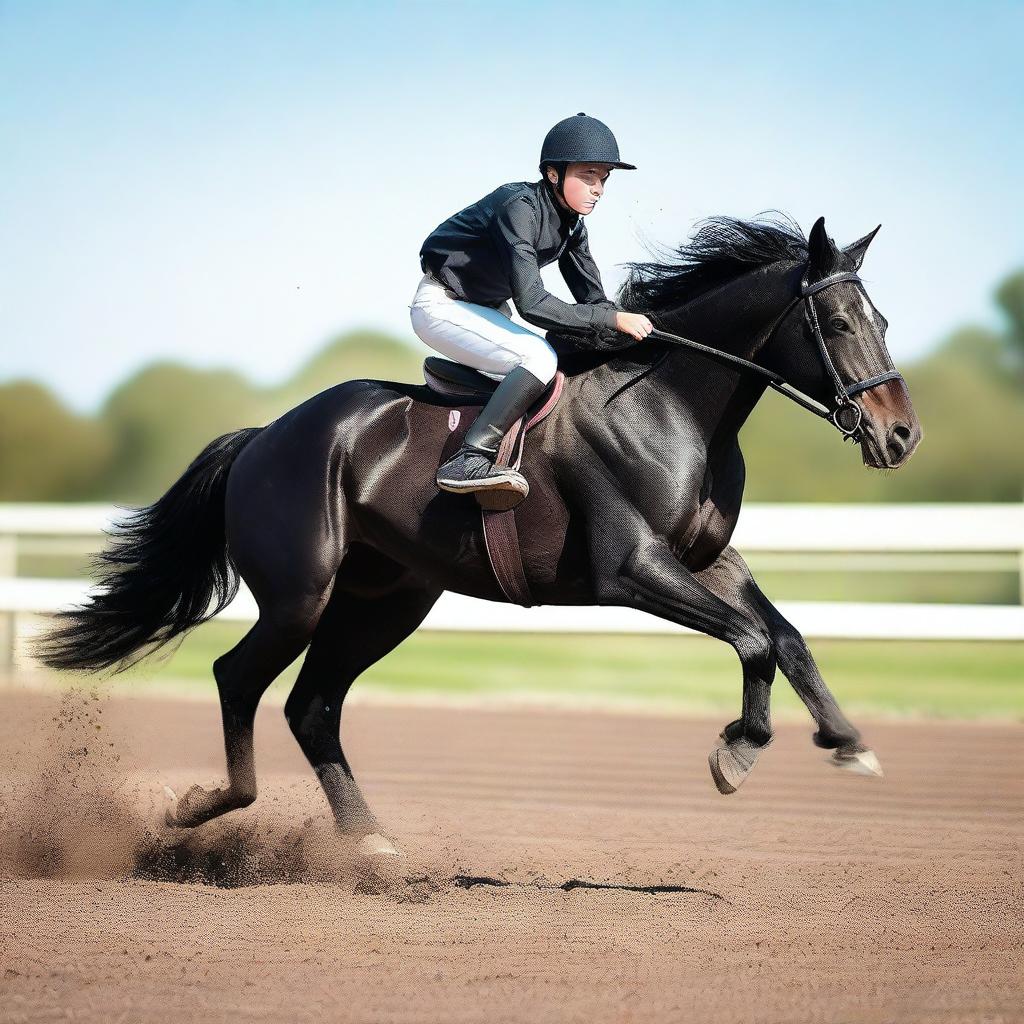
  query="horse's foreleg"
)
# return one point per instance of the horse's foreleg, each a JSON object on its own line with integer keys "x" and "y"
{"x": 243, "y": 675}
{"x": 655, "y": 581}
{"x": 730, "y": 578}
{"x": 353, "y": 634}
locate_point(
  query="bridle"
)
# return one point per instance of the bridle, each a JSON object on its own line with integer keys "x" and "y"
{"x": 845, "y": 414}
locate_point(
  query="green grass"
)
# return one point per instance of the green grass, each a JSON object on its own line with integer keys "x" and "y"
{"x": 806, "y": 577}
{"x": 946, "y": 679}
{"x": 899, "y": 587}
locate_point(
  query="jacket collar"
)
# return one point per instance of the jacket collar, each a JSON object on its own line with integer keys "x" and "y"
{"x": 567, "y": 218}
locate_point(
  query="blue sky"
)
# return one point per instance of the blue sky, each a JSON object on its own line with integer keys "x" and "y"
{"x": 231, "y": 184}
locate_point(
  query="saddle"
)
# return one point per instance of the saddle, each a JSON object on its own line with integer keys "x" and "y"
{"x": 501, "y": 534}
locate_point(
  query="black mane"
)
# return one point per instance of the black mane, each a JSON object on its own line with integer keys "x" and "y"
{"x": 722, "y": 249}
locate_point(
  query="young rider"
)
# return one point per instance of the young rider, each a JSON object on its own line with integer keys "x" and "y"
{"x": 491, "y": 252}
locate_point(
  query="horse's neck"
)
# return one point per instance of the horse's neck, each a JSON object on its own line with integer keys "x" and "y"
{"x": 672, "y": 402}
{"x": 736, "y": 318}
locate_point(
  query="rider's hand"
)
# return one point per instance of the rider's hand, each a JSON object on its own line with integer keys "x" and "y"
{"x": 636, "y": 325}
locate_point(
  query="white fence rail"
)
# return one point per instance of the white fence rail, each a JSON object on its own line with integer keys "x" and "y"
{"x": 954, "y": 537}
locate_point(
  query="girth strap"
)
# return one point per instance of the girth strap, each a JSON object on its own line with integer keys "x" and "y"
{"x": 502, "y": 539}
{"x": 501, "y": 534}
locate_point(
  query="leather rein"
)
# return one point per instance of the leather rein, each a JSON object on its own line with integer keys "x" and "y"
{"x": 845, "y": 414}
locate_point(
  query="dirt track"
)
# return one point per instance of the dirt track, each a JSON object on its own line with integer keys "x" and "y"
{"x": 827, "y": 897}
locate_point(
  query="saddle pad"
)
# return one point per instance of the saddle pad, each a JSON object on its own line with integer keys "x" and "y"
{"x": 501, "y": 534}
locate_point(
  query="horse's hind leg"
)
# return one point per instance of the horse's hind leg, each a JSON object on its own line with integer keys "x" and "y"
{"x": 354, "y": 633}
{"x": 285, "y": 523}
{"x": 243, "y": 675}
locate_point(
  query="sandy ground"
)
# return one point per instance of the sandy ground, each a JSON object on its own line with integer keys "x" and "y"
{"x": 819, "y": 896}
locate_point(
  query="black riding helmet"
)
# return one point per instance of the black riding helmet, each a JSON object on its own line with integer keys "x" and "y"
{"x": 579, "y": 139}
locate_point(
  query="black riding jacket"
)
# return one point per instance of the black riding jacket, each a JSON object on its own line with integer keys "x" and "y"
{"x": 493, "y": 251}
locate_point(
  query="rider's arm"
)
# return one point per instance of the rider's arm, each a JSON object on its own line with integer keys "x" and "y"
{"x": 514, "y": 229}
{"x": 580, "y": 271}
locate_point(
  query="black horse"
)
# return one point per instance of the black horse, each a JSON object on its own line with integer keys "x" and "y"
{"x": 332, "y": 517}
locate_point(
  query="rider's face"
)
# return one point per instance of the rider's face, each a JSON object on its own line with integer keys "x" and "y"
{"x": 584, "y": 185}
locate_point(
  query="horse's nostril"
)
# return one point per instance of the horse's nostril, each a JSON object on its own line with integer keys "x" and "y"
{"x": 897, "y": 444}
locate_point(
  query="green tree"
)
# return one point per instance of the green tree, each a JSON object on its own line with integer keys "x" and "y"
{"x": 353, "y": 355}
{"x": 1010, "y": 296}
{"x": 973, "y": 418}
{"x": 163, "y": 416}
{"x": 967, "y": 393}
{"x": 48, "y": 453}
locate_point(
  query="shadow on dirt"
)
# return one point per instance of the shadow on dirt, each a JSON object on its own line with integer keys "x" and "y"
{"x": 472, "y": 881}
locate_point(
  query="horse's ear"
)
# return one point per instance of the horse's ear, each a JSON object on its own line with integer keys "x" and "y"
{"x": 855, "y": 251}
{"x": 824, "y": 256}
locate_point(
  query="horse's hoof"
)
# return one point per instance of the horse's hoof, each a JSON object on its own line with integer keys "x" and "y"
{"x": 199, "y": 805}
{"x": 718, "y": 770}
{"x": 182, "y": 812}
{"x": 731, "y": 763}
{"x": 375, "y": 846}
{"x": 858, "y": 762}
{"x": 169, "y": 813}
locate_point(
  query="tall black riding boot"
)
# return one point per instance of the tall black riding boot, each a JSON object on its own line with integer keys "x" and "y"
{"x": 471, "y": 468}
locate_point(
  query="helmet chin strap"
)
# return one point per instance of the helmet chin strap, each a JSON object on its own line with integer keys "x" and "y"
{"x": 559, "y": 186}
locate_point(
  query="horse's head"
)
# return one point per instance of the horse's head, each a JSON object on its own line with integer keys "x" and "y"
{"x": 852, "y": 332}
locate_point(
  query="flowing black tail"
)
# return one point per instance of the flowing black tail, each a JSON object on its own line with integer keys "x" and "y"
{"x": 167, "y": 562}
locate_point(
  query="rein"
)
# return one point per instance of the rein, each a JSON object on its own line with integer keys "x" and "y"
{"x": 845, "y": 414}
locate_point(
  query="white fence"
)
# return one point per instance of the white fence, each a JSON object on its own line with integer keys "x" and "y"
{"x": 919, "y": 537}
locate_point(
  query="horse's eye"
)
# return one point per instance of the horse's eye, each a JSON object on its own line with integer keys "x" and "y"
{"x": 838, "y": 324}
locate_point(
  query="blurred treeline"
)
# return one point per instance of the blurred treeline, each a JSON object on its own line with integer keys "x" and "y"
{"x": 968, "y": 392}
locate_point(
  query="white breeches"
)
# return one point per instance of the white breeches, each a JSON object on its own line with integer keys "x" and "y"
{"x": 478, "y": 336}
